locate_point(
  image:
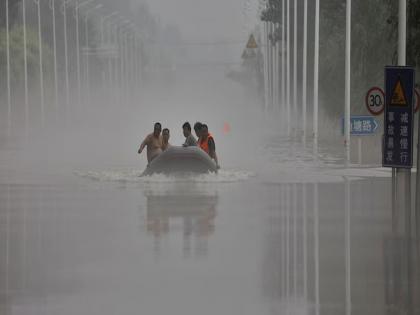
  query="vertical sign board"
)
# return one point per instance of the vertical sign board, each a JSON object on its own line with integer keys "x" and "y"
{"x": 399, "y": 116}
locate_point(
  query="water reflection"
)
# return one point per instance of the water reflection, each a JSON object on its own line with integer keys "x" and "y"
{"x": 326, "y": 255}
{"x": 402, "y": 276}
{"x": 185, "y": 208}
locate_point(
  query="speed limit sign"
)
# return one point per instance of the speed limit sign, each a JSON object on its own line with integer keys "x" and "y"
{"x": 375, "y": 101}
{"x": 416, "y": 100}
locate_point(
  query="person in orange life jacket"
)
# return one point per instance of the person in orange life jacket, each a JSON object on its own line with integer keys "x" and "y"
{"x": 206, "y": 143}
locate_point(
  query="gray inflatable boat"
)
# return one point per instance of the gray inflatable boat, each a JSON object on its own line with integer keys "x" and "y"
{"x": 180, "y": 160}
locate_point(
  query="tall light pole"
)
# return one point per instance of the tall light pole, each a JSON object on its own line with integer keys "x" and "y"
{"x": 127, "y": 65}
{"x": 76, "y": 15}
{"x": 277, "y": 68}
{"x": 66, "y": 57}
{"x": 266, "y": 65}
{"x": 87, "y": 73}
{"x": 304, "y": 67}
{"x": 41, "y": 71}
{"x": 103, "y": 20}
{"x": 52, "y": 6}
{"x": 113, "y": 63}
{"x": 288, "y": 68}
{"x": 347, "y": 82}
{"x": 106, "y": 79}
{"x": 9, "y": 97}
{"x": 125, "y": 29}
{"x": 316, "y": 78}
{"x": 25, "y": 65}
{"x": 137, "y": 62}
{"x": 103, "y": 50}
{"x": 270, "y": 72}
{"x": 295, "y": 101}
{"x": 283, "y": 58}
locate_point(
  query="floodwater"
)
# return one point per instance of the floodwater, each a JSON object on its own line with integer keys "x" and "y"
{"x": 296, "y": 236}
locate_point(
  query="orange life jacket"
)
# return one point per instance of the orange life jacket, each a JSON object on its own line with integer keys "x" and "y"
{"x": 204, "y": 143}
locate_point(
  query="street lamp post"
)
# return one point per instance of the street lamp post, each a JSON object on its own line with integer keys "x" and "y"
{"x": 135, "y": 63}
{"x": 316, "y": 78}
{"x": 76, "y": 13}
{"x": 79, "y": 86}
{"x": 295, "y": 100}
{"x": 288, "y": 68}
{"x": 87, "y": 74}
{"x": 113, "y": 62}
{"x": 52, "y": 6}
{"x": 304, "y": 67}
{"x": 41, "y": 71}
{"x": 347, "y": 82}
{"x": 123, "y": 61}
{"x": 266, "y": 65}
{"x": 66, "y": 59}
{"x": 127, "y": 67}
{"x": 103, "y": 50}
{"x": 103, "y": 20}
{"x": 283, "y": 59}
{"x": 9, "y": 98}
{"x": 137, "y": 54}
{"x": 25, "y": 65}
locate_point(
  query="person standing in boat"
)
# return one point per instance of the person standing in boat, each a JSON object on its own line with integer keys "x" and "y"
{"x": 153, "y": 142}
{"x": 189, "y": 138}
{"x": 165, "y": 139}
{"x": 207, "y": 143}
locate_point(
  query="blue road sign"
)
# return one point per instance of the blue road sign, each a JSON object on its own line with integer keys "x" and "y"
{"x": 361, "y": 125}
{"x": 398, "y": 119}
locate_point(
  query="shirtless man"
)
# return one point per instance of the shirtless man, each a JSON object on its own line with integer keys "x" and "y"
{"x": 153, "y": 142}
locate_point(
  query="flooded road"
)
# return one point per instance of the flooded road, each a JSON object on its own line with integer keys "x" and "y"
{"x": 310, "y": 239}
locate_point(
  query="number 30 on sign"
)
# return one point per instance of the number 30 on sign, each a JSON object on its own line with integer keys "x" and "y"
{"x": 375, "y": 101}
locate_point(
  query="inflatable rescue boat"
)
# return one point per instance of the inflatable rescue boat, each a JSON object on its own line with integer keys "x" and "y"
{"x": 180, "y": 160}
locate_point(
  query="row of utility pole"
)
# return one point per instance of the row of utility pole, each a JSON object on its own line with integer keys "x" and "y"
{"x": 281, "y": 87}
{"x": 121, "y": 49}
{"x": 281, "y": 71}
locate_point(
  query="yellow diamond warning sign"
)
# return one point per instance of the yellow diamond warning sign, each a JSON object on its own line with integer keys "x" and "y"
{"x": 251, "y": 42}
{"x": 398, "y": 95}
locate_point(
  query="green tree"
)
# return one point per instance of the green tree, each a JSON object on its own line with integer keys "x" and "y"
{"x": 17, "y": 55}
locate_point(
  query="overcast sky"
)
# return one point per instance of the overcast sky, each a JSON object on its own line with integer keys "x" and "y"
{"x": 207, "y": 20}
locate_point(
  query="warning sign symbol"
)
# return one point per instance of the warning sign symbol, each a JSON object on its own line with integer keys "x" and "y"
{"x": 251, "y": 42}
{"x": 398, "y": 96}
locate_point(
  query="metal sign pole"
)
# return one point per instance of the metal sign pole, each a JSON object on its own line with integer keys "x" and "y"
{"x": 404, "y": 175}
{"x": 417, "y": 213}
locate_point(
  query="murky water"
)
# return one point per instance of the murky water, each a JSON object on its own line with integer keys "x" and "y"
{"x": 295, "y": 236}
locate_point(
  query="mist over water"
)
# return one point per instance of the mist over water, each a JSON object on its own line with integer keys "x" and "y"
{"x": 282, "y": 228}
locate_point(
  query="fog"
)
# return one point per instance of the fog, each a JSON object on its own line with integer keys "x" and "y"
{"x": 287, "y": 225}
{"x": 185, "y": 79}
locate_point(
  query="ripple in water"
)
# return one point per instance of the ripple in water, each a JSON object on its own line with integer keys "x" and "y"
{"x": 133, "y": 176}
